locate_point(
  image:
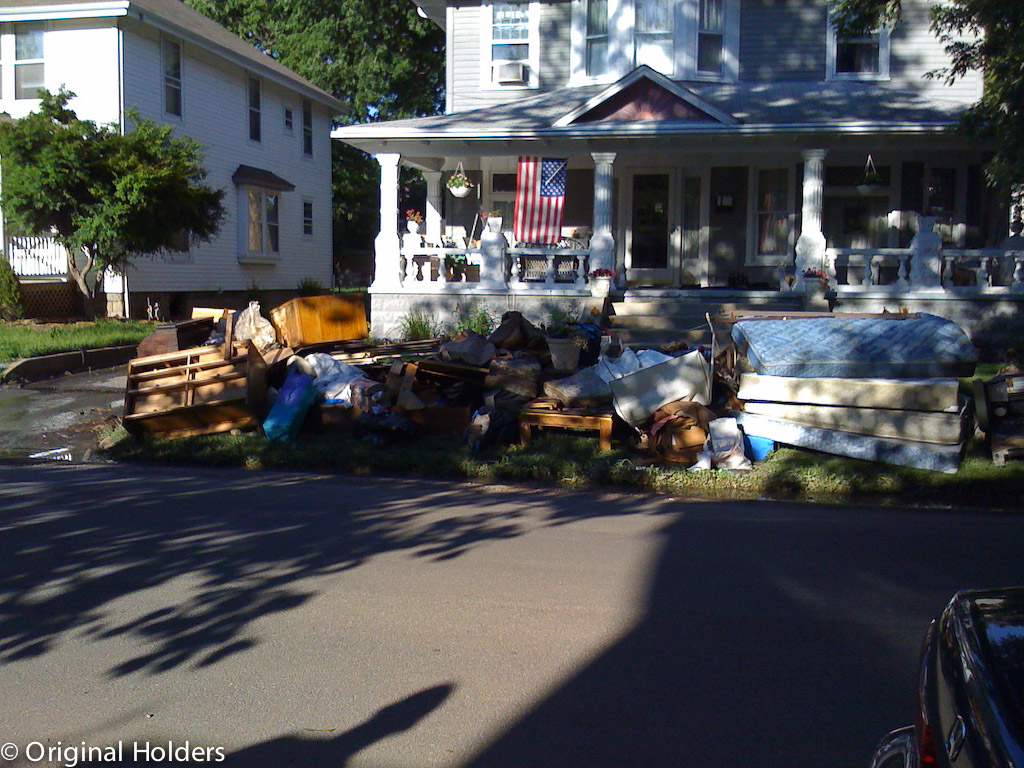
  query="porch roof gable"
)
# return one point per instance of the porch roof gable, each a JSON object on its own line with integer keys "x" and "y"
{"x": 646, "y": 95}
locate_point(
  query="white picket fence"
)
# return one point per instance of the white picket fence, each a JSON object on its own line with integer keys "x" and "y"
{"x": 36, "y": 256}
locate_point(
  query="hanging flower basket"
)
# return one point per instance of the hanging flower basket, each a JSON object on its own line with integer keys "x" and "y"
{"x": 458, "y": 183}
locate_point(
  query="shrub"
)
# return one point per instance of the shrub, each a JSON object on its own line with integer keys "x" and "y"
{"x": 474, "y": 317}
{"x": 12, "y": 306}
{"x": 309, "y": 286}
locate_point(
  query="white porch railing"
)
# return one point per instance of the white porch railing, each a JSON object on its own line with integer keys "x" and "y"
{"x": 36, "y": 256}
{"x": 970, "y": 270}
{"x": 429, "y": 268}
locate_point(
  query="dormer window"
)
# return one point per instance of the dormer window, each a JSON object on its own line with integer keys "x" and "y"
{"x": 653, "y": 38}
{"x": 710, "y": 37}
{"x": 683, "y": 39}
{"x": 510, "y": 57}
{"x": 858, "y": 57}
{"x": 597, "y": 37}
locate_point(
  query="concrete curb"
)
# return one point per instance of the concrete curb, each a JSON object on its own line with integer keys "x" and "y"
{"x": 49, "y": 366}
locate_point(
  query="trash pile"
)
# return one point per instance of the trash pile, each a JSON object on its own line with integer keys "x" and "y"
{"x": 876, "y": 387}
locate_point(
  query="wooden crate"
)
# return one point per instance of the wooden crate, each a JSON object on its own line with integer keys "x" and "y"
{"x": 318, "y": 319}
{"x": 196, "y": 392}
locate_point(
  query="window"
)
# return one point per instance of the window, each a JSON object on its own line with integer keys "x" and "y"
{"x": 652, "y": 38}
{"x": 683, "y": 39}
{"x": 171, "y": 53}
{"x": 597, "y": 37}
{"x": 262, "y": 222}
{"x": 28, "y": 63}
{"x": 307, "y": 127}
{"x": 773, "y": 214}
{"x": 255, "y": 125}
{"x": 510, "y": 47}
{"x": 710, "y": 36}
{"x": 858, "y": 57}
{"x": 307, "y": 217}
{"x": 289, "y": 119}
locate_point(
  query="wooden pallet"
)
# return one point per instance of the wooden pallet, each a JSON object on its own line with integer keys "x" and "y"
{"x": 544, "y": 413}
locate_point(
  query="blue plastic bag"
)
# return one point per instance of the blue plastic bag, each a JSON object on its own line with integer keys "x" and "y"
{"x": 293, "y": 401}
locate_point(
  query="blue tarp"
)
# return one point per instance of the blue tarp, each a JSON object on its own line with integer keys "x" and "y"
{"x": 922, "y": 346}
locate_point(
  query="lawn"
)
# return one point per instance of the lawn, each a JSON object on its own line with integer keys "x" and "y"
{"x": 18, "y": 340}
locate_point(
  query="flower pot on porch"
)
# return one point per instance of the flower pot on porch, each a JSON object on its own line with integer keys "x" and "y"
{"x": 600, "y": 287}
{"x": 565, "y": 354}
{"x": 459, "y": 191}
{"x": 413, "y": 227}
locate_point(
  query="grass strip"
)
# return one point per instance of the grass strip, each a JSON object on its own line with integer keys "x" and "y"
{"x": 568, "y": 461}
{"x": 18, "y": 340}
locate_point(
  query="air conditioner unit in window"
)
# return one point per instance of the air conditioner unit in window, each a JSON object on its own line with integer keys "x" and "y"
{"x": 510, "y": 72}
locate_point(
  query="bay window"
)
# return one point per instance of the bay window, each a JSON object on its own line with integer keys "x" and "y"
{"x": 259, "y": 213}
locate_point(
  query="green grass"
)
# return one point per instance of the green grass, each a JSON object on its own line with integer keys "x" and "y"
{"x": 19, "y": 340}
{"x": 574, "y": 461}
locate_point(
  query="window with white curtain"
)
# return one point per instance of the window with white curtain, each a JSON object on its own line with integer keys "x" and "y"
{"x": 597, "y": 37}
{"x": 710, "y": 36}
{"x": 652, "y": 35}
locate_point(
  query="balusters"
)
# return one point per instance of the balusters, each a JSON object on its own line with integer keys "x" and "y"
{"x": 549, "y": 275}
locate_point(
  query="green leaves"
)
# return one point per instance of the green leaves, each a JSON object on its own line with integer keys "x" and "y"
{"x": 112, "y": 197}
{"x": 979, "y": 35}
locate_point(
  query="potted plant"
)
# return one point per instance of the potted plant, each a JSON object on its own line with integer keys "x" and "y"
{"x": 601, "y": 282}
{"x": 562, "y": 334}
{"x": 459, "y": 184}
{"x": 413, "y": 220}
{"x": 493, "y": 220}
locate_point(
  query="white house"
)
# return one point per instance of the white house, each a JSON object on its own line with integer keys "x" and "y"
{"x": 265, "y": 131}
{"x": 711, "y": 146}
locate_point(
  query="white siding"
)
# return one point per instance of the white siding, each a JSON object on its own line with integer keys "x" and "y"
{"x": 916, "y": 51}
{"x": 215, "y": 114}
{"x": 83, "y": 57}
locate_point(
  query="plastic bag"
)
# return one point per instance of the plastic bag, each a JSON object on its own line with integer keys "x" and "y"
{"x": 289, "y": 411}
{"x": 250, "y": 324}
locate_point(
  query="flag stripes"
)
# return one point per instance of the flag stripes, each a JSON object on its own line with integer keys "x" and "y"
{"x": 540, "y": 198}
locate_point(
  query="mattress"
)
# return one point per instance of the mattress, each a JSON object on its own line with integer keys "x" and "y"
{"x": 900, "y": 347}
{"x": 929, "y": 427}
{"x": 907, "y": 394}
{"x": 907, "y": 453}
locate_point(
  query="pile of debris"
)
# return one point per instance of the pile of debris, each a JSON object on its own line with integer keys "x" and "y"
{"x": 876, "y": 387}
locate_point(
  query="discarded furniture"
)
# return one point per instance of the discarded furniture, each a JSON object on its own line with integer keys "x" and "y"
{"x": 316, "y": 319}
{"x": 545, "y": 413}
{"x": 999, "y": 403}
{"x": 173, "y": 337}
{"x": 195, "y": 392}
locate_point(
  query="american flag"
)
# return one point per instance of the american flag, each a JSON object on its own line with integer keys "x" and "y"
{"x": 540, "y": 197}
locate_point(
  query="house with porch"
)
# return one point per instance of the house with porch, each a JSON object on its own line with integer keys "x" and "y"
{"x": 715, "y": 151}
{"x": 265, "y": 131}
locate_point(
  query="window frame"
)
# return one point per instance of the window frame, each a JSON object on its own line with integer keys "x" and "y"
{"x": 289, "y": 119}
{"x": 18, "y": 64}
{"x": 755, "y": 211}
{"x": 268, "y": 230}
{"x": 487, "y": 40}
{"x": 686, "y": 35}
{"x": 254, "y": 112}
{"x": 168, "y": 83}
{"x": 832, "y": 43}
{"x": 307, "y": 128}
{"x": 307, "y": 217}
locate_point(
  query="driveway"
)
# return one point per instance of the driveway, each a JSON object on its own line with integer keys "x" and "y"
{"x": 300, "y": 620}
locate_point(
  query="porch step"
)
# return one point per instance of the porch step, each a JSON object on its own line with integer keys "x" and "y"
{"x": 654, "y": 321}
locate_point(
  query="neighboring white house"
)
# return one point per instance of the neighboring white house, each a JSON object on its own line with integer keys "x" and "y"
{"x": 710, "y": 144}
{"x": 264, "y": 129}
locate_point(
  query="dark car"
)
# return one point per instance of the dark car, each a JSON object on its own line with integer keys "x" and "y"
{"x": 970, "y": 692}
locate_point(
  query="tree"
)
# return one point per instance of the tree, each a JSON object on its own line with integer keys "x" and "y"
{"x": 983, "y": 35}
{"x": 106, "y": 196}
{"x": 378, "y": 56}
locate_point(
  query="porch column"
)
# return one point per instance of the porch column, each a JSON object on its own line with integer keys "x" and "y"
{"x": 602, "y": 243}
{"x": 810, "y": 247}
{"x": 387, "y": 251}
{"x": 433, "y": 212}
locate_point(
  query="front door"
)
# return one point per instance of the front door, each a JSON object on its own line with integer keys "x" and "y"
{"x": 652, "y": 240}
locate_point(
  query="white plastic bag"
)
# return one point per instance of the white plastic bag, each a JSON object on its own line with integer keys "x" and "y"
{"x": 250, "y": 324}
{"x": 726, "y": 441}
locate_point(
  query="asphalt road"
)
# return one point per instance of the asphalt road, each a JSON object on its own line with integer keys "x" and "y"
{"x": 294, "y": 620}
